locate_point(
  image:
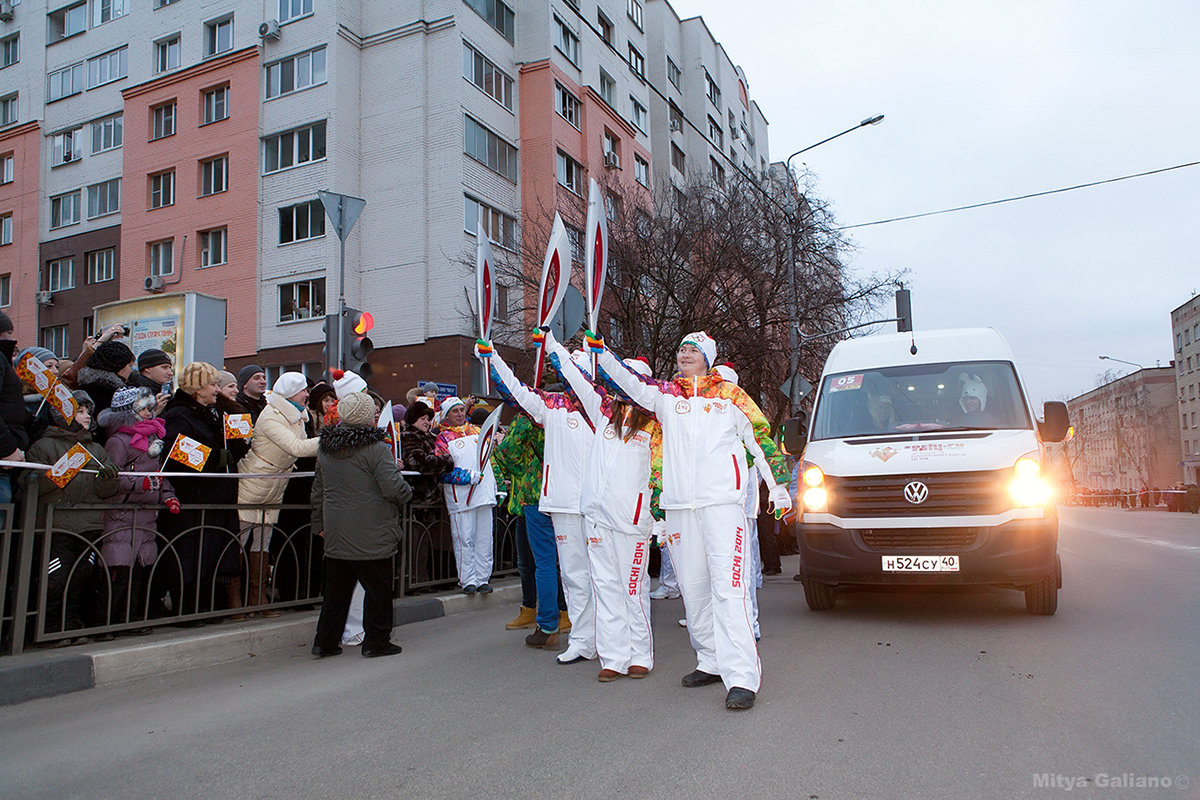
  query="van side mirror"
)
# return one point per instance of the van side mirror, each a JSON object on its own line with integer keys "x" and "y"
{"x": 795, "y": 434}
{"x": 1054, "y": 426}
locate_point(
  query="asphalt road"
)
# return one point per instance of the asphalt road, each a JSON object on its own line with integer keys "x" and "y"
{"x": 888, "y": 695}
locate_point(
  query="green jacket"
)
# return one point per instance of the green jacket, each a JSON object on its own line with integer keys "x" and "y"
{"x": 518, "y": 458}
{"x": 84, "y": 488}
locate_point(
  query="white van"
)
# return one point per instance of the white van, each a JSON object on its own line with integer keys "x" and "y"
{"x": 924, "y": 465}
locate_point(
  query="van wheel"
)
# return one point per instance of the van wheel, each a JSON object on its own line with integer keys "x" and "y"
{"x": 819, "y": 596}
{"x": 1042, "y": 597}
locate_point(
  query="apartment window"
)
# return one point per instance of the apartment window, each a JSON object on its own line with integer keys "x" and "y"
{"x": 213, "y": 246}
{"x": 214, "y": 175}
{"x": 66, "y": 147}
{"x": 105, "y": 10}
{"x": 162, "y": 3}
{"x": 500, "y": 227}
{"x": 89, "y": 326}
{"x": 567, "y": 104}
{"x": 162, "y": 258}
{"x": 10, "y": 50}
{"x": 301, "y": 300}
{"x": 566, "y": 41}
{"x": 605, "y": 25}
{"x": 66, "y": 82}
{"x": 6, "y": 229}
{"x": 60, "y": 274}
{"x": 612, "y": 145}
{"x": 301, "y": 221}
{"x": 496, "y": 14}
{"x": 218, "y": 36}
{"x": 104, "y": 198}
{"x": 677, "y": 159}
{"x": 216, "y": 105}
{"x": 67, "y": 21}
{"x": 570, "y": 173}
{"x": 101, "y": 265}
{"x": 54, "y": 339}
{"x": 608, "y": 87}
{"x": 641, "y": 170}
{"x": 109, "y": 67}
{"x": 673, "y": 73}
{"x": 612, "y": 206}
{"x": 6, "y": 168}
{"x": 162, "y": 189}
{"x": 294, "y": 9}
{"x": 8, "y": 109}
{"x": 490, "y": 150}
{"x": 637, "y": 62}
{"x": 5, "y": 291}
{"x": 717, "y": 171}
{"x": 502, "y": 303}
{"x": 674, "y": 117}
{"x": 166, "y": 54}
{"x": 635, "y": 12}
{"x": 108, "y": 133}
{"x": 162, "y": 120}
{"x": 64, "y": 210}
{"x": 714, "y": 94}
{"x": 290, "y": 148}
{"x": 637, "y": 114}
{"x": 715, "y": 133}
{"x": 575, "y": 239}
{"x": 487, "y": 76}
{"x": 295, "y": 73}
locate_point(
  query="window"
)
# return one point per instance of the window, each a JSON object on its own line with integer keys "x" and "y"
{"x": 109, "y": 67}
{"x": 104, "y": 198}
{"x": 566, "y": 41}
{"x": 218, "y": 36}
{"x": 502, "y": 303}
{"x": 575, "y": 239}
{"x": 161, "y": 3}
{"x": 714, "y": 133}
{"x": 60, "y": 274}
{"x": 166, "y": 54}
{"x": 214, "y": 175}
{"x": 637, "y": 62}
{"x": 105, "y": 10}
{"x": 66, "y": 147}
{"x": 490, "y": 150}
{"x": 162, "y": 258}
{"x": 605, "y": 25}
{"x": 213, "y": 247}
{"x": 487, "y": 76}
{"x": 496, "y": 14}
{"x": 295, "y": 73}
{"x": 717, "y": 171}
{"x": 612, "y": 206}
{"x": 637, "y": 114}
{"x": 290, "y": 148}
{"x": 67, "y": 22}
{"x": 566, "y": 104}
{"x": 54, "y": 338}
{"x": 5, "y": 291}
{"x": 302, "y": 300}
{"x": 608, "y": 87}
{"x": 8, "y": 109}
{"x": 570, "y": 173}
{"x": 612, "y": 145}
{"x": 66, "y": 82}
{"x": 500, "y": 227}
{"x": 162, "y": 189}
{"x": 301, "y": 221}
{"x": 64, "y": 210}
{"x": 163, "y": 120}
{"x": 101, "y": 265}
{"x": 677, "y": 159}
{"x": 294, "y": 9}
{"x": 714, "y": 94}
{"x": 6, "y": 229}
{"x": 108, "y": 133}
{"x": 673, "y": 74}
{"x": 10, "y": 50}
{"x": 216, "y": 105}
{"x": 89, "y": 326}
{"x": 6, "y": 168}
{"x": 674, "y": 117}
{"x": 641, "y": 170}
{"x": 635, "y": 12}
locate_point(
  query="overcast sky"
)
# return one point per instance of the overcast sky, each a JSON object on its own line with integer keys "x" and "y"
{"x": 987, "y": 100}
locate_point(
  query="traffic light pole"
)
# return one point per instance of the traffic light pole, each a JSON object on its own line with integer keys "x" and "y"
{"x": 343, "y": 211}
{"x": 341, "y": 348}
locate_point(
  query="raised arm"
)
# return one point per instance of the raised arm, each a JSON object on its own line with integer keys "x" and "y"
{"x": 591, "y": 400}
{"x": 514, "y": 392}
{"x": 640, "y": 390}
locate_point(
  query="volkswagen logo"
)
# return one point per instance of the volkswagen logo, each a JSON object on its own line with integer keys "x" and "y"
{"x": 916, "y": 492}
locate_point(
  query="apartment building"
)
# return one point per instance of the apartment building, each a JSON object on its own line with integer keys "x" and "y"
{"x": 1185, "y": 330}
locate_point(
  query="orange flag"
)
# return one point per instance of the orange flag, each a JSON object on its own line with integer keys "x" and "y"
{"x": 68, "y": 466}
{"x": 238, "y": 426}
{"x": 189, "y": 452}
{"x": 38, "y": 375}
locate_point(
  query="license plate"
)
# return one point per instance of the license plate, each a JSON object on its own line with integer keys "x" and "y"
{"x": 920, "y": 563}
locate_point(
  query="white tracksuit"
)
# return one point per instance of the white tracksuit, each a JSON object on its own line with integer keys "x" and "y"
{"x": 568, "y": 442}
{"x": 616, "y": 511}
{"x": 708, "y": 425}
{"x": 470, "y": 525}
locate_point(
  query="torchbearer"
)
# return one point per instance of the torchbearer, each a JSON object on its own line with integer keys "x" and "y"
{"x": 470, "y": 509}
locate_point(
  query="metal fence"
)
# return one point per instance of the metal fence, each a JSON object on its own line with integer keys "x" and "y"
{"x": 57, "y": 585}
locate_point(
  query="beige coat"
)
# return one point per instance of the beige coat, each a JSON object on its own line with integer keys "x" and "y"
{"x": 279, "y": 439}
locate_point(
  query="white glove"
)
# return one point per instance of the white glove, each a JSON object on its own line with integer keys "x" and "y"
{"x": 781, "y": 498}
{"x": 476, "y": 476}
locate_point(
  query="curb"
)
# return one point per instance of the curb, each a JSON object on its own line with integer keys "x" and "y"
{"x": 48, "y": 673}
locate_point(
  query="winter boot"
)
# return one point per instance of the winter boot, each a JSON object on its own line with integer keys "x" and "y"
{"x": 233, "y": 598}
{"x": 564, "y": 622}
{"x": 260, "y": 573}
{"x": 527, "y": 618}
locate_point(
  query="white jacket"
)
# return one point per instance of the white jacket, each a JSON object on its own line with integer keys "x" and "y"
{"x": 465, "y": 452}
{"x": 279, "y": 439}
{"x": 568, "y": 438}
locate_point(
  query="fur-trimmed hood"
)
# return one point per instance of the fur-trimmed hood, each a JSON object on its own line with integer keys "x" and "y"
{"x": 88, "y": 375}
{"x": 342, "y": 441}
{"x": 109, "y": 421}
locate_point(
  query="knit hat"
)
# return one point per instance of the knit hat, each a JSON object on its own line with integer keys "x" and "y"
{"x": 346, "y": 382}
{"x": 40, "y": 353}
{"x": 356, "y": 408}
{"x": 127, "y": 399}
{"x": 704, "y": 343}
{"x": 196, "y": 376}
{"x": 415, "y": 412}
{"x": 289, "y": 384}
{"x": 318, "y": 393}
{"x": 429, "y": 387}
{"x": 82, "y": 399}
{"x": 639, "y": 365}
{"x": 5, "y": 323}
{"x": 152, "y": 358}
{"x": 449, "y": 403}
{"x": 246, "y": 373}
{"x": 398, "y": 412}
{"x": 111, "y": 356}
{"x": 224, "y": 378}
{"x": 973, "y": 386}
{"x": 727, "y": 373}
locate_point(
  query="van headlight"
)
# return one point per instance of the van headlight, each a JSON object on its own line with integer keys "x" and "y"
{"x": 813, "y": 488}
{"x": 1028, "y": 487}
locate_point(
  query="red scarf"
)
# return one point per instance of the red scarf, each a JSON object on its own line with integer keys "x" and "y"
{"x": 142, "y": 431}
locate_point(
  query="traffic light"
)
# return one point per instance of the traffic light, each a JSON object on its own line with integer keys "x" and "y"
{"x": 903, "y": 310}
{"x": 329, "y": 355}
{"x": 356, "y": 345}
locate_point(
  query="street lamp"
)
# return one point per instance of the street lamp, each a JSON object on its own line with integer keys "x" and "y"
{"x": 1145, "y": 406}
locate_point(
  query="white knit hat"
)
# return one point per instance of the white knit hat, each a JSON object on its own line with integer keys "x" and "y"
{"x": 346, "y": 382}
{"x": 289, "y": 384}
{"x": 449, "y": 403}
{"x": 704, "y": 343}
{"x": 727, "y": 373}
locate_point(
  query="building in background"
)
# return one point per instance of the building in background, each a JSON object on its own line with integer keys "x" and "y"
{"x": 1185, "y": 330}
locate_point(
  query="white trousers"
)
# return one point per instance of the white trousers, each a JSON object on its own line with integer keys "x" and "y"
{"x": 709, "y": 548}
{"x": 619, "y": 562}
{"x": 471, "y": 532}
{"x": 353, "y": 633}
{"x": 573, "y": 564}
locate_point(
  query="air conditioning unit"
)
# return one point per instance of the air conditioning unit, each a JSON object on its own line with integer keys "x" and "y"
{"x": 269, "y": 29}
{"x": 44, "y": 298}
{"x": 733, "y": 133}
{"x": 676, "y": 125}
{"x": 6, "y": 10}
{"x": 612, "y": 160}
{"x": 154, "y": 283}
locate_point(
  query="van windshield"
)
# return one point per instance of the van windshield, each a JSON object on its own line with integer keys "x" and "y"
{"x": 961, "y": 395}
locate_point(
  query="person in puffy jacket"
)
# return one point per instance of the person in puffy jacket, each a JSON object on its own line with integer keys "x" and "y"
{"x": 470, "y": 498}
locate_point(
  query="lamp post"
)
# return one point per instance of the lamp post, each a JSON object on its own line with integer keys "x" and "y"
{"x": 1145, "y": 407}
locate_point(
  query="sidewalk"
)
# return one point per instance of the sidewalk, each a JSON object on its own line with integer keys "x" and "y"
{"x": 49, "y": 672}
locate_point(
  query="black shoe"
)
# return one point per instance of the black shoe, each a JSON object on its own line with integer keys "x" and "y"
{"x": 739, "y": 698}
{"x": 773, "y": 571}
{"x": 469, "y": 590}
{"x": 699, "y": 678}
{"x": 388, "y": 649}
{"x": 484, "y": 588}
{"x": 542, "y": 640}
{"x": 325, "y": 652}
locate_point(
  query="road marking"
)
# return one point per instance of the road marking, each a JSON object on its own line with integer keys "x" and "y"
{"x": 1122, "y": 535}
